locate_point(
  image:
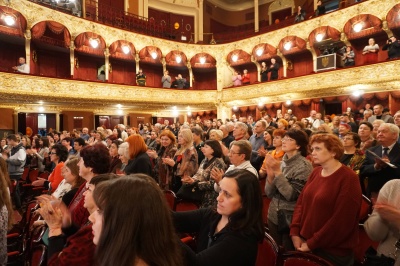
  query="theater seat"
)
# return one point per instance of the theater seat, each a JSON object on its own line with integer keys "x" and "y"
{"x": 297, "y": 258}
{"x": 268, "y": 252}
{"x": 171, "y": 199}
{"x": 364, "y": 242}
{"x": 366, "y": 209}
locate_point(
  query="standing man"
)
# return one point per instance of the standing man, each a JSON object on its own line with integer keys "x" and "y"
{"x": 22, "y": 67}
{"x": 388, "y": 150}
{"x": 273, "y": 68}
{"x": 166, "y": 80}
{"x": 85, "y": 134}
{"x": 141, "y": 78}
{"x": 378, "y": 114}
{"x": 16, "y": 163}
{"x": 180, "y": 81}
{"x": 393, "y": 47}
{"x": 257, "y": 142}
{"x": 198, "y": 143}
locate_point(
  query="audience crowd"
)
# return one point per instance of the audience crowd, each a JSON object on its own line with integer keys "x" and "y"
{"x": 314, "y": 168}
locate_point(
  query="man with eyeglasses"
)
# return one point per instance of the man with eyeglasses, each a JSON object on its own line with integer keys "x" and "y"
{"x": 239, "y": 156}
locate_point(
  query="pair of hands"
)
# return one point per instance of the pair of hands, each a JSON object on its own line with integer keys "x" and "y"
{"x": 168, "y": 161}
{"x": 300, "y": 244}
{"x": 217, "y": 174}
{"x": 187, "y": 180}
{"x": 271, "y": 166}
{"x": 55, "y": 213}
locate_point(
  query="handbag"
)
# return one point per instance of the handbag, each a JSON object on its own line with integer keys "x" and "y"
{"x": 372, "y": 259}
{"x": 190, "y": 192}
{"x": 284, "y": 219}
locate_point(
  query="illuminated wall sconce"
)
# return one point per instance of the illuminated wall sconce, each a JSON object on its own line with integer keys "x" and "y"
{"x": 202, "y": 60}
{"x": 287, "y": 46}
{"x": 178, "y": 59}
{"x": 126, "y": 49}
{"x": 9, "y": 19}
{"x": 319, "y": 37}
{"x": 259, "y": 51}
{"x": 154, "y": 55}
{"x": 94, "y": 42}
{"x": 235, "y": 57}
{"x": 358, "y": 27}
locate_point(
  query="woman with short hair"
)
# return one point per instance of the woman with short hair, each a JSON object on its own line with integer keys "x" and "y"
{"x": 325, "y": 219}
{"x": 139, "y": 161}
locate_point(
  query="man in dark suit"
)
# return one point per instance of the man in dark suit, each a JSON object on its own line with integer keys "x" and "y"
{"x": 377, "y": 171}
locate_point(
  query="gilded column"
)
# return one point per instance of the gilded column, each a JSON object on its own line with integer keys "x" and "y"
{"x": 189, "y": 66}
{"x": 200, "y": 23}
{"x": 58, "y": 122}
{"x": 83, "y": 8}
{"x": 107, "y": 62}
{"x": 28, "y": 47}
{"x": 256, "y": 16}
{"x": 164, "y": 64}
{"x": 125, "y": 119}
{"x": 15, "y": 116}
{"x": 72, "y": 58}
{"x": 137, "y": 60}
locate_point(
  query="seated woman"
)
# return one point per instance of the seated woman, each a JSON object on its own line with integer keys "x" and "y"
{"x": 139, "y": 161}
{"x": 115, "y": 163}
{"x": 325, "y": 219}
{"x": 213, "y": 159}
{"x": 230, "y": 235}
{"x": 353, "y": 157}
{"x": 79, "y": 248}
{"x": 370, "y": 52}
{"x": 285, "y": 181}
{"x": 58, "y": 156}
{"x": 277, "y": 153}
{"x": 383, "y": 224}
{"x": 137, "y": 205}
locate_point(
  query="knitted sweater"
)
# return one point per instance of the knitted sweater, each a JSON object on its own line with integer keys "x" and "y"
{"x": 378, "y": 229}
{"x": 286, "y": 188}
{"x": 327, "y": 211}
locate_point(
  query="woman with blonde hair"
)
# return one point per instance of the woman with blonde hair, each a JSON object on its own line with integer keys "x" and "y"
{"x": 163, "y": 171}
{"x": 5, "y": 210}
{"x": 185, "y": 161}
{"x": 139, "y": 161}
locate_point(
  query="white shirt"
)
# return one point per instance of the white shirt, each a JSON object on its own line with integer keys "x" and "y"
{"x": 245, "y": 165}
{"x": 24, "y": 68}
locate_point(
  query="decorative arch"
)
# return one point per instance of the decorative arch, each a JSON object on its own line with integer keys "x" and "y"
{"x": 242, "y": 57}
{"x": 370, "y": 25}
{"x": 268, "y": 51}
{"x": 119, "y": 48}
{"x": 51, "y": 32}
{"x": 294, "y": 43}
{"x": 146, "y": 53}
{"x": 209, "y": 61}
{"x": 82, "y": 43}
{"x": 19, "y": 27}
{"x": 392, "y": 17}
{"x": 176, "y": 58}
{"x": 327, "y": 33}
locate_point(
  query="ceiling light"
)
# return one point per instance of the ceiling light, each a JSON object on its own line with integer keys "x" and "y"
{"x": 288, "y": 102}
{"x": 178, "y": 59}
{"x": 319, "y": 37}
{"x": 126, "y": 49}
{"x": 358, "y": 27}
{"x": 94, "y": 42}
{"x": 260, "y": 104}
{"x": 202, "y": 60}
{"x": 235, "y": 57}
{"x": 119, "y": 112}
{"x": 259, "y": 51}
{"x": 9, "y": 19}
{"x": 41, "y": 109}
{"x": 175, "y": 113}
{"x": 189, "y": 113}
{"x": 234, "y": 108}
{"x": 358, "y": 93}
{"x": 287, "y": 46}
{"x": 154, "y": 55}
{"x": 119, "y": 106}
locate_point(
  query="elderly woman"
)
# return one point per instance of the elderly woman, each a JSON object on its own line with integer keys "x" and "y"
{"x": 365, "y": 133}
{"x": 325, "y": 219}
{"x": 353, "y": 157}
{"x": 139, "y": 161}
{"x": 213, "y": 159}
{"x": 115, "y": 163}
{"x": 285, "y": 181}
{"x": 185, "y": 160}
{"x": 163, "y": 171}
{"x": 383, "y": 224}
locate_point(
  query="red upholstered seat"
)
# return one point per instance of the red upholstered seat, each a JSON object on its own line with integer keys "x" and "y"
{"x": 268, "y": 252}
{"x": 364, "y": 242}
{"x": 366, "y": 209}
{"x": 171, "y": 199}
{"x": 297, "y": 258}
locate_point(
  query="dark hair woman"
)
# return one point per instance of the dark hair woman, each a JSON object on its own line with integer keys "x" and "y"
{"x": 115, "y": 160}
{"x": 285, "y": 181}
{"x": 229, "y": 236}
{"x": 136, "y": 205}
{"x": 213, "y": 159}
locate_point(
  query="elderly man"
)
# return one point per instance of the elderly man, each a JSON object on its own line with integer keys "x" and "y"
{"x": 239, "y": 155}
{"x": 239, "y": 130}
{"x": 85, "y": 134}
{"x": 378, "y": 114}
{"x": 393, "y": 47}
{"x": 375, "y": 166}
{"x": 257, "y": 142}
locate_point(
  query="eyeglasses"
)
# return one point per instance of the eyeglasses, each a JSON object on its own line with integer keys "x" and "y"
{"x": 287, "y": 139}
{"x": 53, "y": 153}
{"x": 231, "y": 152}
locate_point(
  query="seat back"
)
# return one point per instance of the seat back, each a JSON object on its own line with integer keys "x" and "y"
{"x": 266, "y": 202}
{"x": 38, "y": 255}
{"x": 33, "y": 175}
{"x": 25, "y": 174}
{"x": 171, "y": 199}
{"x": 44, "y": 175}
{"x": 297, "y": 258}
{"x": 364, "y": 242}
{"x": 268, "y": 252}
{"x": 182, "y": 205}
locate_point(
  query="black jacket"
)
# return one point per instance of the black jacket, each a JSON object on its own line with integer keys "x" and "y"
{"x": 140, "y": 164}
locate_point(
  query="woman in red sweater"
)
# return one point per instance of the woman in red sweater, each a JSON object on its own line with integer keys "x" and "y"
{"x": 325, "y": 219}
